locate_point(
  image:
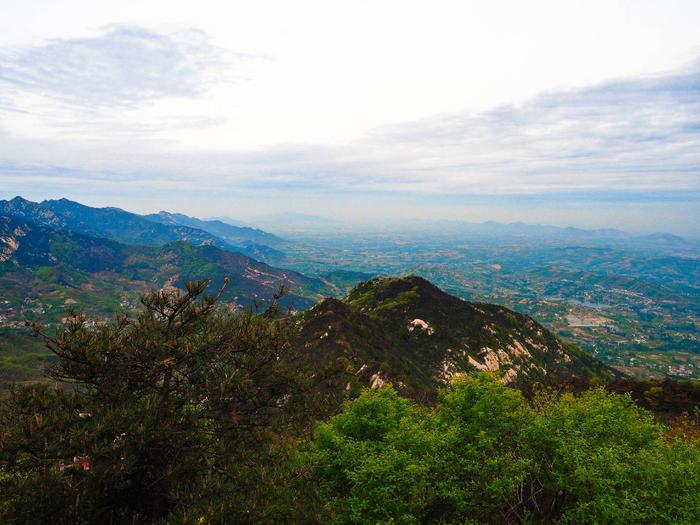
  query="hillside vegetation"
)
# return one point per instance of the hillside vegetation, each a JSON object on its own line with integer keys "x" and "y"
{"x": 189, "y": 413}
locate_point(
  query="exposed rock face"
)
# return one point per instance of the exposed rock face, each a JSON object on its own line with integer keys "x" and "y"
{"x": 376, "y": 381}
{"x": 8, "y": 246}
{"x": 419, "y": 323}
{"x": 412, "y": 334}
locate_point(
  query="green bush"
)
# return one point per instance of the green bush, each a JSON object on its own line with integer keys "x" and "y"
{"x": 485, "y": 455}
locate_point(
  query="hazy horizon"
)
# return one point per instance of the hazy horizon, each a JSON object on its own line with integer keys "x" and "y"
{"x": 283, "y": 221}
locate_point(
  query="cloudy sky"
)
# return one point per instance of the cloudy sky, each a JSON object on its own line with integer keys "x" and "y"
{"x": 576, "y": 113}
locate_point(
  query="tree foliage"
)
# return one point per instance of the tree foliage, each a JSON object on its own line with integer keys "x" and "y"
{"x": 176, "y": 414}
{"x": 485, "y": 455}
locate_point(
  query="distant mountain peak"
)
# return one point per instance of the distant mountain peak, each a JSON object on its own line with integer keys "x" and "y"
{"x": 111, "y": 223}
{"x": 661, "y": 236}
{"x": 239, "y": 235}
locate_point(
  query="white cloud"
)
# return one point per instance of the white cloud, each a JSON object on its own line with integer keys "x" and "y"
{"x": 638, "y": 134}
{"x": 120, "y": 67}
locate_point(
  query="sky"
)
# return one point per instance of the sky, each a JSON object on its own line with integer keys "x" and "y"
{"x": 580, "y": 113}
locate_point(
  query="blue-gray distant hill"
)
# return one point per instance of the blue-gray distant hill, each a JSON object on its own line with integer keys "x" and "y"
{"x": 662, "y": 237}
{"x": 236, "y": 234}
{"x": 300, "y": 223}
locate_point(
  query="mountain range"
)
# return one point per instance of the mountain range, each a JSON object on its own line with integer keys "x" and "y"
{"x": 241, "y": 235}
{"x": 51, "y": 268}
{"x": 150, "y": 230}
{"x": 110, "y": 223}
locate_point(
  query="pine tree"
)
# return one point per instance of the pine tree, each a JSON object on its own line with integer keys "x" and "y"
{"x": 166, "y": 415}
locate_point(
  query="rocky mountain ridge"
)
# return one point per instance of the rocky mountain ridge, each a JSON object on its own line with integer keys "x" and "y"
{"x": 409, "y": 332}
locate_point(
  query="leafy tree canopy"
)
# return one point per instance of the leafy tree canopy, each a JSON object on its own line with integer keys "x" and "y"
{"x": 485, "y": 455}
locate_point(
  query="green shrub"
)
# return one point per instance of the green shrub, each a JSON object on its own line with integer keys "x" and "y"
{"x": 487, "y": 456}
